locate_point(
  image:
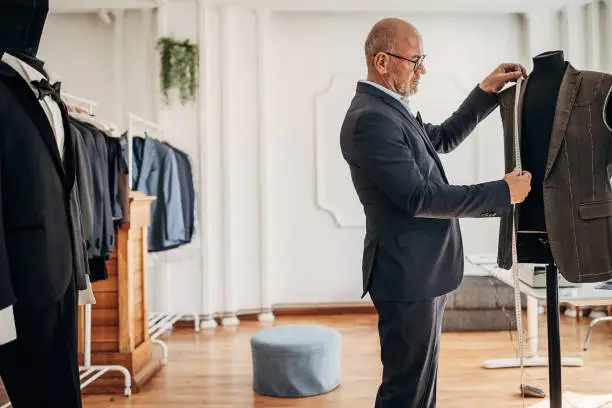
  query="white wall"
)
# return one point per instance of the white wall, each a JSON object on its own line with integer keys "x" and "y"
{"x": 288, "y": 228}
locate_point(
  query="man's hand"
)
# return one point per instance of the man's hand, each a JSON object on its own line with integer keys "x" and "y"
{"x": 508, "y": 72}
{"x": 520, "y": 185}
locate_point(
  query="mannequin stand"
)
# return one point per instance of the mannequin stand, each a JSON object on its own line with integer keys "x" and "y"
{"x": 554, "y": 342}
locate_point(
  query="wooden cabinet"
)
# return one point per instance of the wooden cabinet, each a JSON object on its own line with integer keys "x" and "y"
{"x": 119, "y": 326}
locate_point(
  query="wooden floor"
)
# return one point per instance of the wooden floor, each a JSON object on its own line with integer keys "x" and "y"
{"x": 212, "y": 369}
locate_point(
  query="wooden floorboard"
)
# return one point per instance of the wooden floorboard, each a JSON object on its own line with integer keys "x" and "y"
{"x": 212, "y": 369}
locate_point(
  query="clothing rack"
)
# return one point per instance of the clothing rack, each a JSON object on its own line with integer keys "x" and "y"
{"x": 89, "y": 372}
{"x": 159, "y": 322}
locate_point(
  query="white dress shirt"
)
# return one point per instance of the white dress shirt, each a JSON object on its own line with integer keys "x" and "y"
{"x": 54, "y": 115}
{"x": 397, "y": 96}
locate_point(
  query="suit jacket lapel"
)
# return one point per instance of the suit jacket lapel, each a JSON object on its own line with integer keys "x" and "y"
{"x": 418, "y": 129}
{"x": 565, "y": 102}
{"x": 30, "y": 104}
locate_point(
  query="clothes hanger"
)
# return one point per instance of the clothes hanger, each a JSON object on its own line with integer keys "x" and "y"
{"x": 82, "y": 115}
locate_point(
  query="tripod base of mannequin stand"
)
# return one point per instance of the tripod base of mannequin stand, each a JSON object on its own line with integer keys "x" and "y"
{"x": 535, "y": 361}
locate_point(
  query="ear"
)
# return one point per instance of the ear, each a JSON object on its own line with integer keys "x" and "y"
{"x": 381, "y": 63}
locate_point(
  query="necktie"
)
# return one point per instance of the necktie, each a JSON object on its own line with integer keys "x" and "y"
{"x": 45, "y": 88}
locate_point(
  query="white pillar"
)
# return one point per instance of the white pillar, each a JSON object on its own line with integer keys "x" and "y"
{"x": 149, "y": 92}
{"x": 266, "y": 304}
{"x": 205, "y": 41}
{"x": 594, "y": 37}
{"x": 118, "y": 75}
{"x": 575, "y": 35}
{"x": 162, "y": 18}
{"x": 608, "y": 32}
{"x": 162, "y": 31}
{"x": 230, "y": 318}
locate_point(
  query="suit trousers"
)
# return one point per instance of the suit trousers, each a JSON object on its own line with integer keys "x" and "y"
{"x": 410, "y": 342}
{"x": 41, "y": 367}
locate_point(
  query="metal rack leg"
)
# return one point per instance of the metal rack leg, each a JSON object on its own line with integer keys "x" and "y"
{"x": 164, "y": 347}
{"x": 593, "y": 323}
{"x": 99, "y": 370}
{"x": 196, "y": 322}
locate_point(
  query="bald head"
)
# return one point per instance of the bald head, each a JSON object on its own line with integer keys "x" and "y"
{"x": 394, "y": 55}
{"x": 385, "y": 35}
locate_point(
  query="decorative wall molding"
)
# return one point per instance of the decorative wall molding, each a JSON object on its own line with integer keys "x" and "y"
{"x": 498, "y": 6}
{"x": 335, "y": 193}
{"x": 92, "y": 6}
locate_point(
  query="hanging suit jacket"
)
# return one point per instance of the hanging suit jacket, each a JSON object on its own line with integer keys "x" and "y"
{"x": 84, "y": 184}
{"x": 577, "y": 190}
{"x": 187, "y": 191}
{"x": 41, "y": 238}
{"x": 155, "y": 172}
{"x": 103, "y": 229}
{"x": 117, "y": 169}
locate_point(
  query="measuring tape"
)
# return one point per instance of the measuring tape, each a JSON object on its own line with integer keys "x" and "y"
{"x": 515, "y": 267}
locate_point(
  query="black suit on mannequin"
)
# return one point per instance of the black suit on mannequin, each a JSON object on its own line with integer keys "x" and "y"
{"x": 42, "y": 247}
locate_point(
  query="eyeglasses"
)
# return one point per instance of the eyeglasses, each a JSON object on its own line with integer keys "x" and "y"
{"x": 417, "y": 63}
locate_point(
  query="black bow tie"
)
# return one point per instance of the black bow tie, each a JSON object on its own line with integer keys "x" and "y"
{"x": 45, "y": 88}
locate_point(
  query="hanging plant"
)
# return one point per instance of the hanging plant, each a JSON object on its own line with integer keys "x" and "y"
{"x": 179, "y": 62}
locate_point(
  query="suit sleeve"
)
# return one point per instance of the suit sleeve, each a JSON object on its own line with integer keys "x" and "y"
{"x": 380, "y": 150}
{"x": 450, "y": 133}
{"x": 7, "y": 294}
{"x": 84, "y": 182}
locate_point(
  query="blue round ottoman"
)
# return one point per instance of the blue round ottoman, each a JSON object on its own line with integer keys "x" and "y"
{"x": 296, "y": 360}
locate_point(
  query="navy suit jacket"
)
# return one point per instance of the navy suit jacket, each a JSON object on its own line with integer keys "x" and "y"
{"x": 413, "y": 247}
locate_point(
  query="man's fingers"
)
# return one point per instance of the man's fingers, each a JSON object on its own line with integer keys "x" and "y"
{"x": 513, "y": 67}
{"x": 512, "y": 76}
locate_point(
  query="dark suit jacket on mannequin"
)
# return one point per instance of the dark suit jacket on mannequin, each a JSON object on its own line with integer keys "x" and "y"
{"x": 43, "y": 253}
{"x": 37, "y": 231}
{"x": 576, "y": 195}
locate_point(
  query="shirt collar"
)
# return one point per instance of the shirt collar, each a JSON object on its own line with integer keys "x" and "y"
{"x": 397, "y": 96}
{"x": 28, "y": 73}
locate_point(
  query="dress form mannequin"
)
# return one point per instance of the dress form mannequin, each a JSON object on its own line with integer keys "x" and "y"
{"x": 559, "y": 120}
{"x": 42, "y": 258}
{"x": 542, "y": 90}
{"x": 21, "y": 27}
{"x": 539, "y": 104}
